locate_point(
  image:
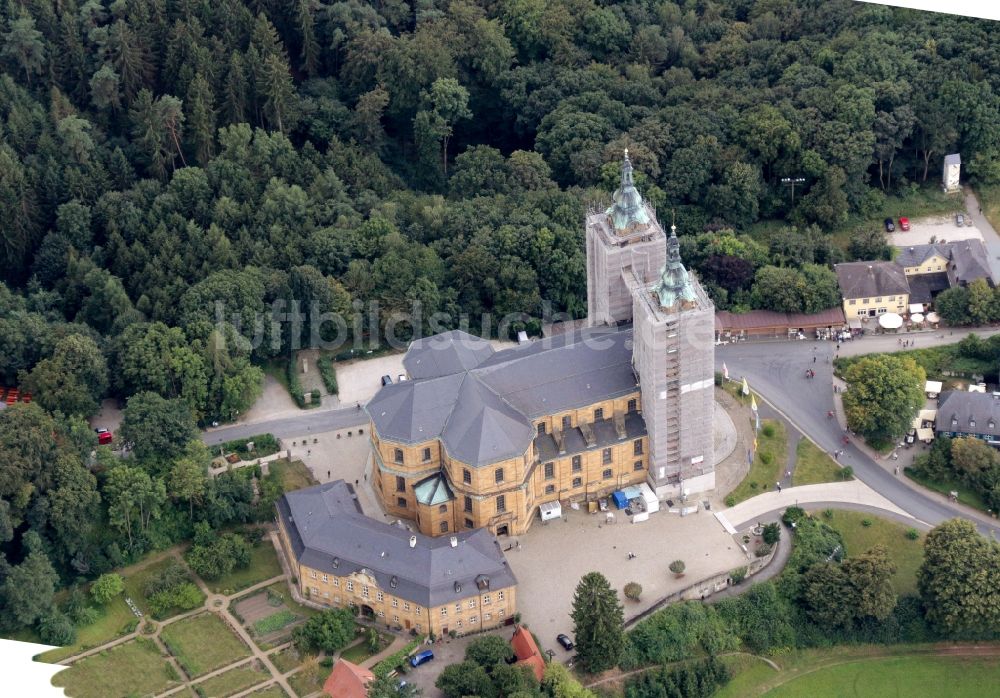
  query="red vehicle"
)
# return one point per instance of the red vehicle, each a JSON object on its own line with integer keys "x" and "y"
{"x": 104, "y": 436}
{"x": 904, "y": 223}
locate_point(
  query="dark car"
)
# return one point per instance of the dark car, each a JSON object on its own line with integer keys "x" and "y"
{"x": 386, "y": 380}
{"x": 959, "y": 219}
{"x": 564, "y": 640}
{"x": 889, "y": 225}
{"x": 421, "y": 658}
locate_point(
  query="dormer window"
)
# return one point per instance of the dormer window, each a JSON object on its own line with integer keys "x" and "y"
{"x": 972, "y": 423}
{"x": 954, "y": 421}
{"x": 992, "y": 424}
{"x": 394, "y": 582}
{"x": 483, "y": 582}
{"x": 336, "y": 562}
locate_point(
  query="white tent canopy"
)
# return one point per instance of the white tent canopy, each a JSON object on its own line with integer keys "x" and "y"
{"x": 925, "y": 435}
{"x": 932, "y": 387}
{"x": 933, "y": 317}
{"x": 916, "y": 308}
{"x": 917, "y": 317}
{"x": 890, "y": 321}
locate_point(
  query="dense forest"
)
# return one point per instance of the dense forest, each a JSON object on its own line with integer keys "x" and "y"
{"x": 157, "y": 156}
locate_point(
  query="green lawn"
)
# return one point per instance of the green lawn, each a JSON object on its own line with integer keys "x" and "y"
{"x": 272, "y": 691}
{"x": 955, "y": 677}
{"x": 358, "y": 652}
{"x": 934, "y": 360}
{"x": 907, "y": 554}
{"x": 116, "y": 620}
{"x": 309, "y": 680}
{"x": 132, "y": 669}
{"x": 768, "y": 464}
{"x": 203, "y": 643}
{"x": 965, "y": 494}
{"x": 232, "y": 681}
{"x": 263, "y": 565}
{"x": 136, "y": 582}
{"x": 289, "y": 658}
{"x": 813, "y": 465}
{"x": 294, "y": 475}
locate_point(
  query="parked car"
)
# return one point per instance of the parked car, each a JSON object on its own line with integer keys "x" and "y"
{"x": 564, "y": 640}
{"x": 889, "y": 226}
{"x": 959, "y": 219}
{"x": 421, "y": 658}
{"x": 386, "y": 379}
{"x": 904, "y": 223}
{"x": 105, "y": 437}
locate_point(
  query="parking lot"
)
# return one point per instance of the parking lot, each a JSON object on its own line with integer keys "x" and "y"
{"x": 938, "y": 228}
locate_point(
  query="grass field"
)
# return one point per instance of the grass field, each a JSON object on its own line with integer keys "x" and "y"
{"x": 965, "y": 494}
{"x": 232, "y": 681}
{"x": 116, "y": 620}
{"x": 907, "y": 554}
{"x": 359, "y": 652}
{"x": 813, "y": 465}
{"x": 272, "y": 691}
{"x": 203, "y": 643}
{"x": 955, "y": 677}
{"x": 768, "y": 464}
{"x": 297, "y": 608}
{"x": 134, "y": 668}
{"x": 263, "y": 565}
{"x": 934, "y": 360}
{"x": 915, "y": 671}
{"x": 289, "y": 658}
{"x": 309, "y": 680}
{"x": 136, "y": 582}
{"x": 294, "y": 475}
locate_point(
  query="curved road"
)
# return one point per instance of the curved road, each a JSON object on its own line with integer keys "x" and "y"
{"x": 777, "y": 373}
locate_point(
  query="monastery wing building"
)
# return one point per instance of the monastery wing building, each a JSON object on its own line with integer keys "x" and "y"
{"x": 478, "y": 438}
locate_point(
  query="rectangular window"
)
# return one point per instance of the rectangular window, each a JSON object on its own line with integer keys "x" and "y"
{"x": 466, "y": 476}
{"x": 401, "y": 502}
{"x": 501, "y": 503}
{"x": 406, "y": 606}
{"x": 416, "y": 609}
{"x": 315, "y": 591}
{"x": 474, "y": 619}
{"x": 444, "y": 611}
{"x": 500, "y": 613}
{"x": 444, "y": 527}
{"x": 632, "y": 405}
{"x": 637, "y": 465}
{"x": 577, "y": 464}
{"x": 381, "y": 614}
{"x": 550, "y": 470}
{"x": 498, "y": 475}
{"x": 469, "y": 523}
{"x": 567, "y": 423}
{"x": 467, "y": 504}
{"x": 550, "y": 489}
{"x": 459, "y": 623}
{"x": 541, "y": 428}
{"x": 400, "y": 484}
{"x": 350, "y": 585}
{"x": 879, "y": 299}
{"x": 397, "y": 455}
{"x": 472, "y": 603}
{"x": 418, "y": 627}
{"x": 851, "y": 302}
{"x": 486, "y": 599}
{"x": 427, "y": 455}
{"x": 487, "y": 616}
{"x": 364, "y": 591}
{"x": 395, "y": 619}
{"x": 499, "y": 596}
{"x": 458, "y": 608}
{"x": 577, "y": 481}
{"x": 443, "y": 509}
{"x": 598, "y": 414}
{"x": 326, "y": 579}
{"x": 607, "y": 473}
{"x": 606, "y": 456}
{"x": 312, "y": 574}
{"x": 637, "y": 447}
{"x": 336, "y": 582}
{"x": 379, "y": 595}
{"x": 395, "y": 603}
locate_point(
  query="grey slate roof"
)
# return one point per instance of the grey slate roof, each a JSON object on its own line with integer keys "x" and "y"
{"x": 329, "y": 533}
{"x": 923, "y": 287}
{"x": 868, "y": 279}
{"x": 953, "y": 159}
{"x": 915, "y": 255}
{"x": 968, "y": 259}
{"x": 962, "y": 407}
{"x": 445, "y": 353}
{"x": 483, "y": 413}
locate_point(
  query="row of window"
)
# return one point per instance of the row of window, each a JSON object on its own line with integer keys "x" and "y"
{"x": 864, "y": 301}
{"x": 397, "y": 456}
{"x": 567, "y": 421}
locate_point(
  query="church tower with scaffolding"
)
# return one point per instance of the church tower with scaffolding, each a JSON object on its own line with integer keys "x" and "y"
{"x": 635, "y": 275}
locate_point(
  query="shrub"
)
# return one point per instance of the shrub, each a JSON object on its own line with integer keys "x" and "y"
{"x": 698, "y": 680}
{"x": 766, "y": 458}
{"x": 184, "y": 596}
{"x": 763, "y": 550}
{"x": 677, "y": 567}
{"x": 294, "y": 384}
{"x": 632, "y": 590}
{"x": 828, "y": 513}
{"x": 677, "y": 632}
{"x": 328, "y": 374}
{"x": 173, "y": 575}
{"x": 85, "y": 616}
{"x": 315, "y": 397}
{"x": 392, "y": 661}
{"x": 107, "y": 587}
{"x": 718, "y": 379}
{"x": 228, "y": 552}
{"x": 326, "y": 632}
{"x": 866, "y": 522}
{"x": 768, "y": 430}
{"x": 912, "y": 534}
{"x": 730, "y": 501}
{"x": 772, "y": 534}
{"x": 56, "y": 629}
{"x": 738, "y": 575}
{"x": 326, "y": 662}
{"x": 846, "y": 473}
{"x": 793, "y": 515}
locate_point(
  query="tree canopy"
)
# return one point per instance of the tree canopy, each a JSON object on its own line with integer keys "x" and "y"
{"x": 883, "y": 396}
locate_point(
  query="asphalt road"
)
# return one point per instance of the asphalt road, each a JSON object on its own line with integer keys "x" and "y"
{"x": 990, "y": 237}
{"x": 319, "y": 421}
{"x": 776, "y": 370}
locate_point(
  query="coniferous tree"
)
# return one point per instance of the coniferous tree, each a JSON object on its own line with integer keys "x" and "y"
{"x": 310, "y": 47}
{"x": 598, "y": 623}
{"x": 201, "y": 119}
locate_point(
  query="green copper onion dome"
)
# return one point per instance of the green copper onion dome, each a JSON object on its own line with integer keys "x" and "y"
{"x": 674, "y": 287}
{"x": 628, "y": 209}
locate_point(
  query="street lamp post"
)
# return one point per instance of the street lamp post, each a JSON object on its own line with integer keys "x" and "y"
{"x": 792, "y": 181}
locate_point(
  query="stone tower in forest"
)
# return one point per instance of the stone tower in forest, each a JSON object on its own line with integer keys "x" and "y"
{"x": 635, "y": 275}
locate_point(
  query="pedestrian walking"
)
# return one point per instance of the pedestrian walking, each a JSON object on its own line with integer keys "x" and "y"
{"x": 836, "y": 455}
{"x": 838, "y": 346}
{"x": 897, "y": 470}
{"x": 327, "y": 474}
{"x": 788, "y": 474}
{"x": 814, "y": 359}
{"x": 779, "y": 486}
